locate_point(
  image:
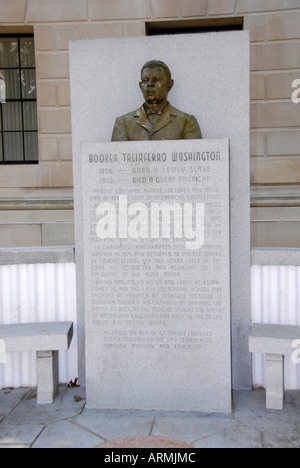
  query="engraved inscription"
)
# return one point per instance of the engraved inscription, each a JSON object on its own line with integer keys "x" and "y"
{"x": 138, "y": 290}
{"x": 157, "y": 271}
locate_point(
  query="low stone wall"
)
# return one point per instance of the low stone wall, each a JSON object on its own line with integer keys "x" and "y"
{"x": 46, "y": 291}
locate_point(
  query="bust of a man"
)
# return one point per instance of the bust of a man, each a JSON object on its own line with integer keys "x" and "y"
{"x": 156, "y": 119}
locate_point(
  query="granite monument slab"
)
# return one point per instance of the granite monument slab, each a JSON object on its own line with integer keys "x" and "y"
{"x": 156, "y": 222}
{"x": 211, "y": 82}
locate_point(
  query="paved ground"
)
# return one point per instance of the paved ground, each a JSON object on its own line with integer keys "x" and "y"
{"x": 67, "y": 424}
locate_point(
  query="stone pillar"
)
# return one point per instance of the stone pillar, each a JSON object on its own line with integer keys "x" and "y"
{"x": 47, "y": 376}
{"x": 274, "y": 381}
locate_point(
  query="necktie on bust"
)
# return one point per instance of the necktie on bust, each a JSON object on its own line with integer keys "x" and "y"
{"x": 154, "y": 109}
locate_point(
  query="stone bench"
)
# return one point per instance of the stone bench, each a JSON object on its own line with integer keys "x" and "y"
{"x": 276, "y": 342}
{"x": 46, "y": 339}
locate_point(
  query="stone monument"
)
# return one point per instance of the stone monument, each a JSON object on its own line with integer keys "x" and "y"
{"x": 211, "y": 82}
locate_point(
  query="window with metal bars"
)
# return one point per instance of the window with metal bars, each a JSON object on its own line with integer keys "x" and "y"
{"x": 18, "y": 106}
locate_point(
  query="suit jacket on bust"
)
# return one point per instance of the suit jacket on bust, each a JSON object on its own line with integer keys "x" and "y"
{"x": 171, "y": 125}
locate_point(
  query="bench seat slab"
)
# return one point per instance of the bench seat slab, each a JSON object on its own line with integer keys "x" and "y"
{"x": 25, "y": 337}
{"x": 273, "y": 339}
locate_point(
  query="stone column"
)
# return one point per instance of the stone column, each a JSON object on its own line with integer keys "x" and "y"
{"x": 274, "y": 381}
{"x": 47, "y": 376}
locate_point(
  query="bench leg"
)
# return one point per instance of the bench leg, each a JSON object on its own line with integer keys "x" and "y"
{"x": 47, "y": 376}
{"x": 274, "y": 381}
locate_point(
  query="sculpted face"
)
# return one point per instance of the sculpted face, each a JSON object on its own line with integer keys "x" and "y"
{"x": 155, "y": 85}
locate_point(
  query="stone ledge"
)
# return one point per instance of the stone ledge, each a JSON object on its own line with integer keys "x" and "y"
{"x": 42, "y": 337}
{"x": 281, "y": 257}
{"x": 34, "y": 255}
{"x": 36, "y": 205}
{"x": 278, "y": 196}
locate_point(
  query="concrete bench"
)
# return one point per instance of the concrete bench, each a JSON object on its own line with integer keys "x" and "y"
{"x": 276, "y": 342}
{"x": 46, "y": 339}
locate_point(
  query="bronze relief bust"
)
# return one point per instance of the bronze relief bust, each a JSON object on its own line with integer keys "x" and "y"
{"x": 156, "y": 119}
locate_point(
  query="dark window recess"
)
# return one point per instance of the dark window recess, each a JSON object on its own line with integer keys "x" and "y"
{"x": 18, "y": 106}
{"x": 159, "y": 28}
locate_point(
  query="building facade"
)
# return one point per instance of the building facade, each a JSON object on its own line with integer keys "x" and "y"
{"x": 36, "y": 196}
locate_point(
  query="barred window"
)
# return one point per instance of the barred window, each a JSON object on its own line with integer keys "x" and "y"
{"x": 18, "y": 107}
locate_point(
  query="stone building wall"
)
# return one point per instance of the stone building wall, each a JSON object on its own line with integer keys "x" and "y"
{"x": 36, "y": 201}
